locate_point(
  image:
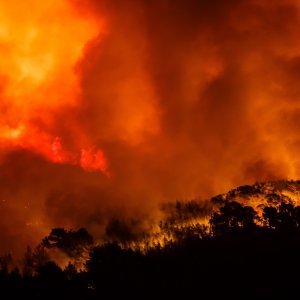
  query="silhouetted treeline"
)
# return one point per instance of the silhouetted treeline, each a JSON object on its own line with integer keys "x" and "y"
{"x": 242, "y": 253}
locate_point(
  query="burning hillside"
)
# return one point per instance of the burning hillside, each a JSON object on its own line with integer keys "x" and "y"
{"x": 111, "y": 109}
{"x": 263, "y": 193}
{"x": 241, "y": 243}
{"x": 183, "y": 218}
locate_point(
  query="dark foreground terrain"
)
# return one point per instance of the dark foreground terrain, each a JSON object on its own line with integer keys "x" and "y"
{"x": 243, "y": 253}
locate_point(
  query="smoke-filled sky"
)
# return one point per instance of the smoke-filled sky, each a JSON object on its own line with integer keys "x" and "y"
{"x": 110, "y": 108}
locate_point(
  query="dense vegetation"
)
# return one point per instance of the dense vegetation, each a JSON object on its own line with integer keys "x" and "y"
{"x": 242, "y": 254}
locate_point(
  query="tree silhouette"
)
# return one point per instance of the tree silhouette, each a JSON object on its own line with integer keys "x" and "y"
{"x": 50, "y": 272}
{"x": 32, "y": 260}
{"x": 243, "y": 256}
{"x": 28, "y": 263}
{"x": 284, "y": 217}
{"x": 72, "y": 243}
{"x": 233, "y": 217}
{"x": 70, "y": 271}
{"x": 5, "y": 262}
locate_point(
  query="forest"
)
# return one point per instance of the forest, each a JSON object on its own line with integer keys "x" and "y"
{"x": 242, "y": 253}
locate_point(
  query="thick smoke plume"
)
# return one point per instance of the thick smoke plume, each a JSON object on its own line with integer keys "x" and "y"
{"x": 111, "y": 108}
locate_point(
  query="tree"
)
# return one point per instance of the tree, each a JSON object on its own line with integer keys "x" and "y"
{"x": 283, "y": 217}
{"x": 72, "y": 243}
{"x": 50, "y": 272}
{"x": 70, "y": 271}
{"x": 32, "y": 260}
{"x": 5, "y": 262}
{"x": 233, "y": 217}
{"x": 27, "y": 263}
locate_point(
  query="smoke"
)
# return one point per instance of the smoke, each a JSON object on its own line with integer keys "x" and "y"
{"x": 155, "y": 100}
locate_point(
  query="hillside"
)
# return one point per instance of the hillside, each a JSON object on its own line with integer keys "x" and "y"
{"x": 244, "y": 244}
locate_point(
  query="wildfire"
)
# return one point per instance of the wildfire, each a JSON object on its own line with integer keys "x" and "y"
{"x": 40, "y": 43}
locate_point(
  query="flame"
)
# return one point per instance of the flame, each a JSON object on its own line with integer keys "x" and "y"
{"x": 40, "y": 43}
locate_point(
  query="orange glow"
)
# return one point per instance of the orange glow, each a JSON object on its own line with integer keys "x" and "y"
{"x": 175, "y": 99}
{"x": 92, "y": 160}
{"x": 40, "y": 43}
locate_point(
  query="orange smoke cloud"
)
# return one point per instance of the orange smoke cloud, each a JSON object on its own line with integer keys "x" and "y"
{"x": 40, "y": 44}
{"x": 175, "y": 99}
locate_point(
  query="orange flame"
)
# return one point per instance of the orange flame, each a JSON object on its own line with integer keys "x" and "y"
{"x": 40, "y": 42}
